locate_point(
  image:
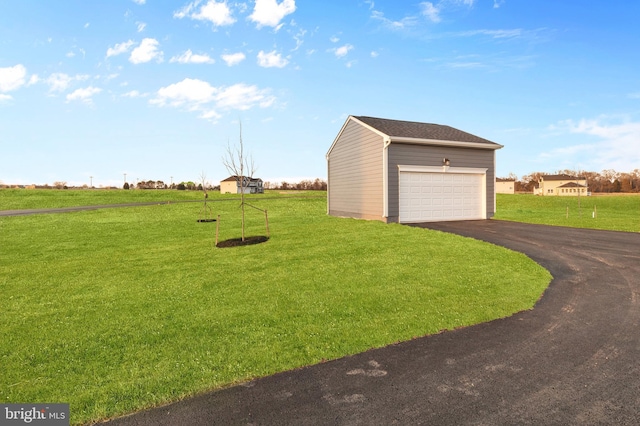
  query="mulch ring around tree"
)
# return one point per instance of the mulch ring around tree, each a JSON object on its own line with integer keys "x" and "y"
{"x": 237, "y": 242}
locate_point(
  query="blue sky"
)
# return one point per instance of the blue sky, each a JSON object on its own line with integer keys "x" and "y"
{"x": 157, "y": 89}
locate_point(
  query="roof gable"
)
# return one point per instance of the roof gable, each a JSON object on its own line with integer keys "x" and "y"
{"x": 572, "y": 185}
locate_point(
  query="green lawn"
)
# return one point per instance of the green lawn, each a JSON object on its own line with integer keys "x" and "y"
{"x": 15, "y": 199}
{"x": 617, "y": 213}
{"x": 116, "y": 310}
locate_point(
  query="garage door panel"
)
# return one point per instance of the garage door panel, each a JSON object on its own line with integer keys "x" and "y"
{"x": 428, "y": 196}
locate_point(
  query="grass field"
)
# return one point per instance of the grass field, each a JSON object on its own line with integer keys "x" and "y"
{"x": 116, "y": 310}
{"x": 15, "y": 199}
{"x": 614, "y": 212}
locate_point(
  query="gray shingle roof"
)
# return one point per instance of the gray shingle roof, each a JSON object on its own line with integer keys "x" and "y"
{"x": 560, "y": 177}
{"x": 237, "y": 178}
{"x": 412, "y": 129}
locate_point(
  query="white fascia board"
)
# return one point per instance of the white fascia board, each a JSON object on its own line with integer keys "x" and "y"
{"x": 344, "y": 126}
{"x": 442, "y": 169}
{"x": 373, "y": 129}
{"x": 418, "y": 141}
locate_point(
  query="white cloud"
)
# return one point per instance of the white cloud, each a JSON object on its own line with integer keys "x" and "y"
{"x": 271, "y": 60}
{"x": 147, "y": 51}
{"x": 189, "y": 58}
{"x": 120, "y": 48}
{"x": 374, "y": 54}
{"x": 5, "y": 98}
{"x": 430, "y": 11}
{"x": 635, "y": 95}
{"x": 218, "y": 14}
{"x": 233, "y": 58}
{"x": 514, "y": 33}
{"x": 342, "y": 51}
{"x": 134, "y": 94}
{"x": 210, "y": 115}
{"x": 269, "y": 13}
{"x": 299, "y": 38}
{"x": 59, "y": 82}
{"x": 200, "y": 96}
{"x": 83, "y": 95}
{"x": 11, "y": 78}
{"x": 141, "y": 26}
{"x": 191, "y": 92}
{"x": 403, "y": 24}
{"x": 498, "y": 3}
{"x": 617, "y": 144}
{"x": 243, "y": 97}
{"x": 140, "y": 2}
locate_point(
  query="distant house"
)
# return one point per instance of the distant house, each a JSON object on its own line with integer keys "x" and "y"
{"x": 235, "y": 185}
{"x": 562, "y": 185}
{"x": 505, "y": 186}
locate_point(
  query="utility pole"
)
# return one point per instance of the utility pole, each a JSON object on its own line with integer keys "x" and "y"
{"x": 125, "y": 178}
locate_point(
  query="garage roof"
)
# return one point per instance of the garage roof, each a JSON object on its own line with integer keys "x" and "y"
{"x": 411, "y": 131}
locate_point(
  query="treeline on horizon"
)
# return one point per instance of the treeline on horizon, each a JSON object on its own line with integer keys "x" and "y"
{"x": 604, "y": 181}
{"x": 303, "y": 185}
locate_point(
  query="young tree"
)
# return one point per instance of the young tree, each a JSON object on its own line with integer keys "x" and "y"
{"x": 242, "y": 168}
{"x": 202, "y": 186}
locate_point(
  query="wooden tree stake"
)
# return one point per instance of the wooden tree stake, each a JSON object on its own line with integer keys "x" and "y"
{"x": 266, "y": 220}
{"x": 217, "y": 229}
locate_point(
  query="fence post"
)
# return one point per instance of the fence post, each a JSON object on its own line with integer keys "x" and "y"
{"x": 266, "y": 220}
{"x": 217, "y": 229}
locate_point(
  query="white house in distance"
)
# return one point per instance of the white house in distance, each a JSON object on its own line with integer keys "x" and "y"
{"x": 561, "y": 185}
{"x": 405, "y": 171}
{"x": 505, "y": 186}
{"x": 234, "y": 185}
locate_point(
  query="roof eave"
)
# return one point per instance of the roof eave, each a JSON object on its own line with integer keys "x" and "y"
{"x": 461, "y": 144}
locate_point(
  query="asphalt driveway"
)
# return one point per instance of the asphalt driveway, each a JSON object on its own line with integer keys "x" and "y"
{"x": 573, "y": 359}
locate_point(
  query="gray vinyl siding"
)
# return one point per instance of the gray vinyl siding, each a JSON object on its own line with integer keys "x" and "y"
{"x": 422, "y": 155}
{"x": 355, "y": 172}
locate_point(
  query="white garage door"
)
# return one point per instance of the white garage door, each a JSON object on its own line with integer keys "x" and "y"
{"x": 430, "y": 197}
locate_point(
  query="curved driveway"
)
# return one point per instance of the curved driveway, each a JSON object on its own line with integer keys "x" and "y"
{"x": 573, "y": 359}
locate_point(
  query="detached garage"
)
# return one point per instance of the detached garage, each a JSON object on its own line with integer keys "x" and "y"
{"x": 403, "y": 171}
